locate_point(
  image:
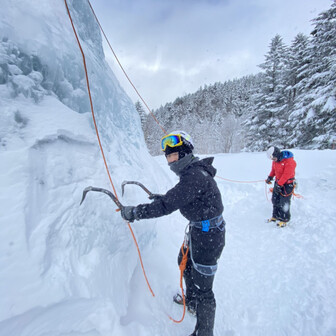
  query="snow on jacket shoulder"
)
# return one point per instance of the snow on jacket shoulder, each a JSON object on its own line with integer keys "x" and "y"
{"x": 284, "y": 170}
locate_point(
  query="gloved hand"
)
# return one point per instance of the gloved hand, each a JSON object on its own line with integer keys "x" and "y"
{"x": 155, "y": 197}
{"x": 269, "y": 180}
{"x": 127, "y": 213}
{"x": 278, "y": 189}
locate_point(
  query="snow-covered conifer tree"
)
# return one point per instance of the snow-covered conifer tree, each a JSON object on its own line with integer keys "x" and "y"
{"x": 271, "y": 103}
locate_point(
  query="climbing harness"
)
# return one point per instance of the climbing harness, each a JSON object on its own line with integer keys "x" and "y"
{"x": 294, "y": 182}
{"x": 208, "y": 224}
{"x": 216, "y": 222}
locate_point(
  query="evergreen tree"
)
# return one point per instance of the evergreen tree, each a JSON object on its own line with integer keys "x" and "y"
{"x": 298, "y": 66}
{"x": 271, "y": 102}
{"x": 142, "y": 113}
{"x": 318, "y": 123}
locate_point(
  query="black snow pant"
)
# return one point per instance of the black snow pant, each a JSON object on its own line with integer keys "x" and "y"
{"x": 281, "y": 202}
{"x": 206, "y": 250}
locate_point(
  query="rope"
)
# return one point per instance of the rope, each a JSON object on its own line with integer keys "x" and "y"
{"x": 182, "y": 267}
{"x": 270, "y": 189}
{"x": 117, "y": 59}
{"x": 286, "y": 195}
{"x": 100, "y": 145}
{"x": 235, "y": 181}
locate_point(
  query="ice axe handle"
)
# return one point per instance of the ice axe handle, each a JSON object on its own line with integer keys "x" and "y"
{"x": 138, "y": 184}
{"x": 105, "y": 191}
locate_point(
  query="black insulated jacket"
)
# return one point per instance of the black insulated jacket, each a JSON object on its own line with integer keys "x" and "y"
{"x": 196, "y": 195}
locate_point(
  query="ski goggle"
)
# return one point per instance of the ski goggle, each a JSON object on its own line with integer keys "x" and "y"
{"x": 171, "y": 140}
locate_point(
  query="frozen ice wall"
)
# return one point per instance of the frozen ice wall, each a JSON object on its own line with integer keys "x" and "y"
{"x": 53, "y": 252}
{"x": 42, "y": 41}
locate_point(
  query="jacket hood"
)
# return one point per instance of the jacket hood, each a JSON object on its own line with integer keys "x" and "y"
{"x": 206, "y": 164}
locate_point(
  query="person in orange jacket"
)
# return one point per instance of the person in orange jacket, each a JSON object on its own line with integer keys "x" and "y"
{"x": 283, "y": 168}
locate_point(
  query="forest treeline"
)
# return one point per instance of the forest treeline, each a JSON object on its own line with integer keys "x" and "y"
{"x": 290, "y": 103}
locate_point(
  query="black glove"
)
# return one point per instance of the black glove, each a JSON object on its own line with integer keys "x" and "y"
{"x": 278, "y": 189}
{"x": 155, "y": 197}
{"x": 128, "y": 213}
{"x": 269, "y": 179}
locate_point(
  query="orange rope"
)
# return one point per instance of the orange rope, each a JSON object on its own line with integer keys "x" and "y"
{"x": 292, "y": 193}
{"x": 235, "y": 181}
{"x": 271, "y": 189}
{"x": 116, "y": 57}
{"x": 182, "y": 267}
{"x": 100, "y": 145}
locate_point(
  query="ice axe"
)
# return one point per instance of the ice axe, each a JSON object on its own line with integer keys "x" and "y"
{"x": 150, "y": 194}
{"x": 105, "y": 191}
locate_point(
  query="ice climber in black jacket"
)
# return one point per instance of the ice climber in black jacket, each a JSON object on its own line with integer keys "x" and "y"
{"x": 199, "y": 201}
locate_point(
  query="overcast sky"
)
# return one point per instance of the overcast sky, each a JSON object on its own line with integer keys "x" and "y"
{"x": 173, "y": 47}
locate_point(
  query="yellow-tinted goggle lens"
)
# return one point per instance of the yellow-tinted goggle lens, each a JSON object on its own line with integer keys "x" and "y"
{"x": 172, "y": 140}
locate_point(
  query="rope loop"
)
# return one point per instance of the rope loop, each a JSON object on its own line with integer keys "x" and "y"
{"x": 182, "y": 267}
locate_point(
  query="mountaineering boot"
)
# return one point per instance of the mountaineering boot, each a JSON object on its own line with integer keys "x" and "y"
{"x": 282, "y": 224}
{"x": 272, "y": 220}
{"x": 190, "y": 306}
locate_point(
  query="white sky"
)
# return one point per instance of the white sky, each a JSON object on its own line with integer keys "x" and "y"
{"x": 170, "y": 48}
